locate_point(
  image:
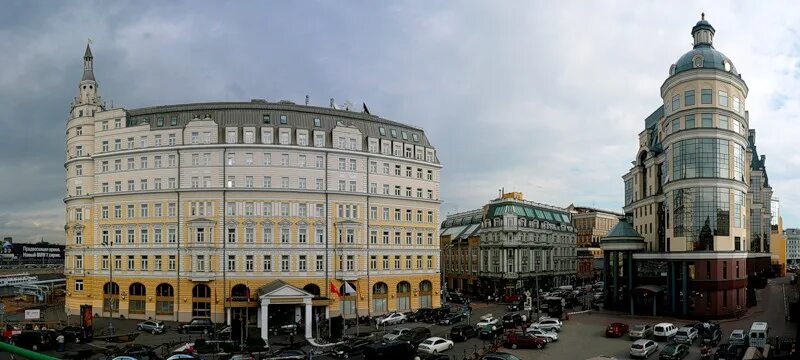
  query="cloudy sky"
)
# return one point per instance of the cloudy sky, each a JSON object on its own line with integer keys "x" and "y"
{"x": 540, "y": 97}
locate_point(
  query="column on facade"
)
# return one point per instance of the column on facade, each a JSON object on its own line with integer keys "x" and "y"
{"x": 629, "y": 293}
{"x": 685, "y": 286}
{"x": 503, "y": 259}
{"x": 309, "y": 318}
{"x": 615, "y": 265}
{"x": 672, "y": 287}
{"x": 265, "y": 321}
{"x": 606, "y": 275}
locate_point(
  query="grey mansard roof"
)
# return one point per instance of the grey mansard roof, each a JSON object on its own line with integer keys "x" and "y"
{"x": 298, "y": 116}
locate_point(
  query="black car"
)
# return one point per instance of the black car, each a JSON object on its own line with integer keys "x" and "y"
{"x": 425, "y": 356}
{"x": 415, "y": 335}
{"x": 197, "y": 325}
{"x": 419, "y": 315}
{"x": 437, "y": 314}
{"x": 512, "y": 320}
{"x": 391, "y": 350}
{"x": 729, "y": 352}
{"x": 141, "y": 352}
{"x": 351, "y": 348}
{"x": 457, "y": 298}
{"x": 34, "y": 340}
{"x": 499, "y": 356}
{"x": 76, "y": 334}
{"x": 463, "y": 332}
{"x": 517, "y": 306}
{"x": 674, "y": 351}
{"x": 452, "y": 318}
{"x": 711, "y": 337}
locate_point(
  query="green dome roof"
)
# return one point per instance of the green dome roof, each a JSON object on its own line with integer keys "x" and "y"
{"x": 712, "y": 59}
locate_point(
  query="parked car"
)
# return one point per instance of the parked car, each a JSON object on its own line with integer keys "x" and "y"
{"x": 435, "y": 345}
{"x": 152, "y": 326}
{"x": 437, "y": 314}
{"x": 452, "y": 318}
{"x": 643, "y": 348}
{"x": 197, "y": 325}
{"x": 490, "y": 331}
{"x": 548, "y": 324}
{"x": 419, "y": 315}
{"x": 426, "y": 356}
{"x": 463, "y": 332}
{"x": 512, "y": 320}
{"x": 550, "y": 336}
{"x": 674, "y": 351}
{"x": 712, "y": 337}
{"x": 729, "y": 352}
{"x": 391, "y": 350}
{"x": 615, "y": 330}
{"x": 76, "y": 334}
{"x": 393, "y": 318}
{"x": 395, "y": 333}
{"x": 517, "y": 306}
{"x": 288, "y": 354}
{"x": 519, "y": 339}
{"x": 738, "y": 337}
{"x": 686, "y": 335}
{"x": 499, "y": 356}
{"x": 34, "y": 340}
{"x": 487, "y": 319}
{"x": 351, "y": 348}
{"x": 641, "y": 331}
{"x": 415, "y": 335}
{"x": 664, "y": 330}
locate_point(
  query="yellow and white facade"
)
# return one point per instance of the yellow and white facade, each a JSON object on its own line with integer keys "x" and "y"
{"x": 188, "y": 210}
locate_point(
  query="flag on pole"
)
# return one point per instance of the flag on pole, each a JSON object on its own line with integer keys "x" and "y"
{"x": 335, "y": 290}
{"x": 348, "y": 289}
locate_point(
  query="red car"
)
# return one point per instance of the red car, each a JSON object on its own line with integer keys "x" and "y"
{"x": 512, "y": 298}
{"x": 615, "y": 330}
{"x": 518, "y": 339}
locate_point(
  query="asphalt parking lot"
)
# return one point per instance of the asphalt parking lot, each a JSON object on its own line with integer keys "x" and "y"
{"x": 582, "y": 336}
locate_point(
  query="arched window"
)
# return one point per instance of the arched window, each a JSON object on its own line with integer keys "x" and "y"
{"x": 348, "y": 300}
{"x": 201, "y": 301}
{"x": 240, "y": 292}
{"x": 380, "y": 303}
{"x": 136, "y": 300}
{"x": 312, "y": 289}
{"x": 425, "y": 294}
{"x": 697, "y": 60}
{"x": 110, "y": 297}
{"x": 165, "y": 299}
{"x": 403, "y": 296}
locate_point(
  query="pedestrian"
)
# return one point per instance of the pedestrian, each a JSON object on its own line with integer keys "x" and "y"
{"x": 60, "y": 341}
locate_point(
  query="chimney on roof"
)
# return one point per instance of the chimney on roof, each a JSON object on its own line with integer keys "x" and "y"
{"x": 763, "y": 160}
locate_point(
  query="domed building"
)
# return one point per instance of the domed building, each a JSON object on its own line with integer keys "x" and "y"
{"x": 686, "y": 196}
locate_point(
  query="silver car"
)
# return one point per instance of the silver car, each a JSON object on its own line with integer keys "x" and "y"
{"x": 152, "y": 326}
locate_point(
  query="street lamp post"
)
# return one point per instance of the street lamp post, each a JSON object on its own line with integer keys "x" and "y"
{"x": 110, "y": 299}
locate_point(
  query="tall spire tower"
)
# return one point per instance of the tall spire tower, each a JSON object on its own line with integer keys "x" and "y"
{"x": 88, "y": 85}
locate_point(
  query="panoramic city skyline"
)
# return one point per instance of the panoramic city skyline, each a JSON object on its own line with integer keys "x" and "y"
{"x": 543, "y": 101}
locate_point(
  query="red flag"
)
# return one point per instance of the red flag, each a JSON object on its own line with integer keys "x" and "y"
{"x": 335, "y": 290}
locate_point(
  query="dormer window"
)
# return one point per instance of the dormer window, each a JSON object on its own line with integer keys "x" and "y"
{"x": 726, "y": 65}
{"x": 382, "y": 131}
{"x": 697, "y": 61}
{"x": 394, "y": 133}
{"x": 284, "y": 120}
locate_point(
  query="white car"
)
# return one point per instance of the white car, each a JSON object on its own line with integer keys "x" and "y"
{"x": 643, "y": 348}
{"x": 548, "y": 324}
{"x": 395, "y": 333}
{"x": 487, "y": 320}
{"x": 435, "y": 345}
{"x": 393, "y": 318}
{"x": 686, "y": 335}
{"x": 550, "y": 336}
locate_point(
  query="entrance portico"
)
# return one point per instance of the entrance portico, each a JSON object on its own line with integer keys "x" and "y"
{"x": 281, "y": 293}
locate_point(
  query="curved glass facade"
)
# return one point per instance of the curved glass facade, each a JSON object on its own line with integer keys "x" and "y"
{"x": 705, "y": 158}
{"x": 704, "y": 212}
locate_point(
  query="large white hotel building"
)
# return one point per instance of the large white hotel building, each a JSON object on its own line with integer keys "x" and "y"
{"x": 215, "y": 209}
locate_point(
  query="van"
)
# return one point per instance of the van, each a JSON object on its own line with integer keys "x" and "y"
{"x": 758, "y": 334}
{"x": 664, "y": 330}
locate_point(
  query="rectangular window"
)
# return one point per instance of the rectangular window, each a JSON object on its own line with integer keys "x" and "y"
{"x": 676, "y": 103}
{"x": 705, "y": 96}
{"x": 706, "y": 120}
{"x": 688, "y": 98}
{"x": 267, "y": 263}
{"x": 723, "y": 122}
{"x": 676, "y": 125}
{"x": 723, "y": 98}
{"x": 284, "y": 262}
{"x": 689, "y": 122}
